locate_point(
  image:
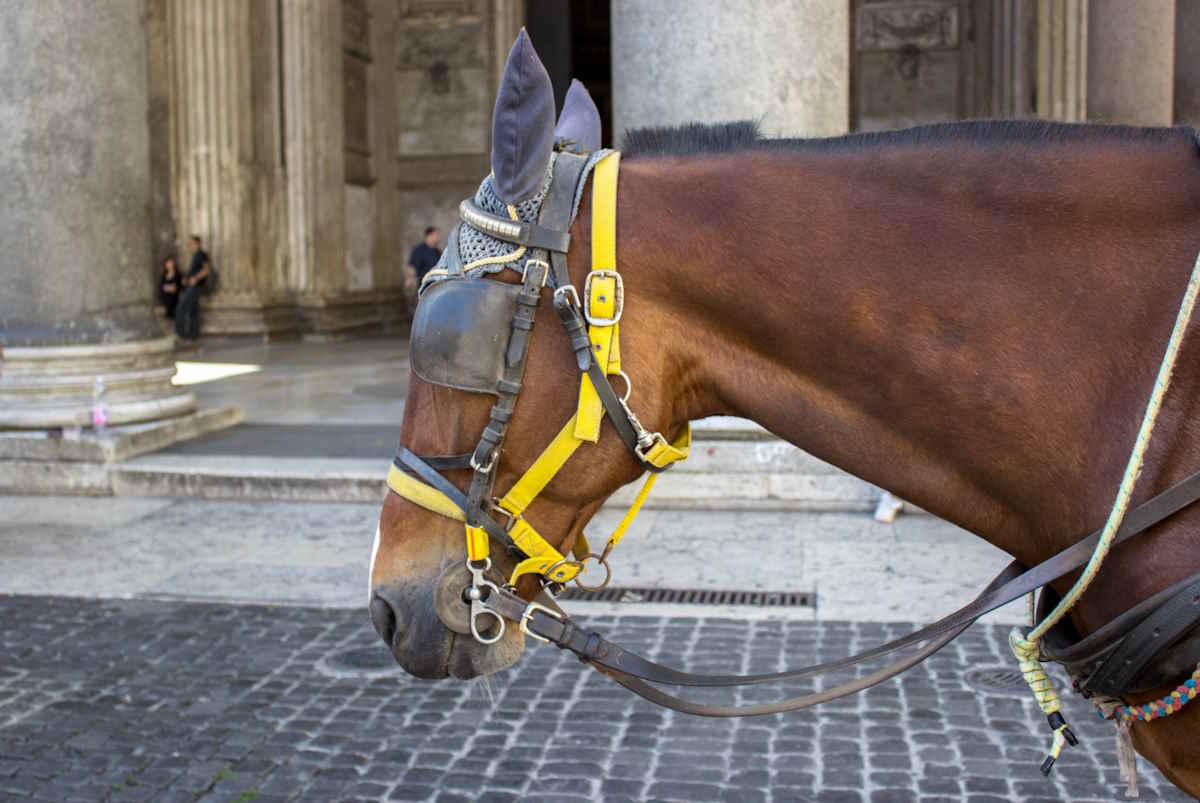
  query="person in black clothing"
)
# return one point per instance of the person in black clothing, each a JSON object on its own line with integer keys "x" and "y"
{"x": 169, "y": 282}
{"x": 425, "y": 255}
{"x": 187, "y": 314}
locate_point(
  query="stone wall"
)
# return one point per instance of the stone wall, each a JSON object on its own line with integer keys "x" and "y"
{"x": 786, "y": 64}
{"x": 448, "y": 58}
{"x": 1131, "y": 61}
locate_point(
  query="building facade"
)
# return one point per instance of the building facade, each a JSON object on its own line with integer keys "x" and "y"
{"x": 309, "y": 142}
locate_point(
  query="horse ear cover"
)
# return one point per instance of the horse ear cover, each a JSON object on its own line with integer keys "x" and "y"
{"x": 522, "y": 125}
{"x": 580, "y": 119}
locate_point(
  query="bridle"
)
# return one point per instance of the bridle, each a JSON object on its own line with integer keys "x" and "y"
{"x": 458, "y": 342}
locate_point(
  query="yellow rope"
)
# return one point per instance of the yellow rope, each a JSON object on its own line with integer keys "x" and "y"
{"x": 1026, "y": 646}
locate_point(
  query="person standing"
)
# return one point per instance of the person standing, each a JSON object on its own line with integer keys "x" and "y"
{"x": 169, "y": 282}
{"x": 187, "y": 314}
{"x": 425, "y": 255}
{"x": 420, "y": 261}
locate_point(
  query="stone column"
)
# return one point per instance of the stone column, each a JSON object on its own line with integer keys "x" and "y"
{"x": 1187, "y": 64}
{"x": 678, "y": 61}
{"x": 1131, "y": 48}
{"x": 1062, "y": 59}
{"x": 314, "y": 145}
{"x": 216, "y": 110}
{"x": 75, "y": 276}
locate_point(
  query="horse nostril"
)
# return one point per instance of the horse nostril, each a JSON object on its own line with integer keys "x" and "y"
{"x": 384, "y": 618}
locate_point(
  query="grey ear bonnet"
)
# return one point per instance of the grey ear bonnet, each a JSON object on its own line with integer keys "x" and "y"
{"x": 466, "y": 244}
{"x": 522, "y": 124}
{"x": 579, "y": 123}
{"x": 474, "y": 245}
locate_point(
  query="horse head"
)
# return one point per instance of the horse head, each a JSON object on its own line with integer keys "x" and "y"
{"x": 475, "y": 352}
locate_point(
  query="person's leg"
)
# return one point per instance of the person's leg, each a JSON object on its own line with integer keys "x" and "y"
{"x": 181, "y": 315}
{"x": 194, "y": 313}
{"x": 185, "y": 314}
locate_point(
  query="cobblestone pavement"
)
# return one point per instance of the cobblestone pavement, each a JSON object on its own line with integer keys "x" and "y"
{"x": 180, "y": 701}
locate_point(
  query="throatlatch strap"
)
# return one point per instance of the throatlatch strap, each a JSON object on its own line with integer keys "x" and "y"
{"x": 602, "y": 300}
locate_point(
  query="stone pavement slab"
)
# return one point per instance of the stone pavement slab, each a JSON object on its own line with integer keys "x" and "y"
{"x": 919, "y": 568}
{"x": 124, "y": 700}
{"x": 359, "y": 380}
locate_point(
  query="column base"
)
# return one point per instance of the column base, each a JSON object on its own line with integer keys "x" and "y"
{"x": 244, "y": 314}
{"x": 44, "y": 387}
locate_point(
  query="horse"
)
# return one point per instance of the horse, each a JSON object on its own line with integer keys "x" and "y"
{"x": 970, "y": 315}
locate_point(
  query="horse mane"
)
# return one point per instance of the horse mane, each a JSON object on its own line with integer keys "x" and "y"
{"x": 701, "y": 138}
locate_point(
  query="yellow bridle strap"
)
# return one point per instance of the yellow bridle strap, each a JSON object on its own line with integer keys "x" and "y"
{"x": 543, "y": 558}
{"x": 663, "y": 454}
{"x": 477, "y": 543}
{"x": 423, "y": 495}
{"x": 548, "y": 463}
{"x": 602, "y": 296}
{"x": 435, "y": 501}
{"x": 630, "y": 514}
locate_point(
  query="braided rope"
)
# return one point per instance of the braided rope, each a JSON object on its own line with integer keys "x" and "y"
{"x": 1026, "y": 646}
{"x": 1156, "y": 709}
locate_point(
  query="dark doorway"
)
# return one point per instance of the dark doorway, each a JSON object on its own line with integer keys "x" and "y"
{"x": 573, "y": 41}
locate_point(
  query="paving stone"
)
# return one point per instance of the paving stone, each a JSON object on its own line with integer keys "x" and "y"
{"x": 259, "y": 713}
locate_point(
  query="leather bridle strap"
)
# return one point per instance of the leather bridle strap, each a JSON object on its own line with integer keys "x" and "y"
{"x": 594, "y": 648}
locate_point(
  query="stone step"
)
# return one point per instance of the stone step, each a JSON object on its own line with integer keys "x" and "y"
{"x": 62, "y": 462}
{"x": 734, "y": 465}
{"x": 354, "y": 480}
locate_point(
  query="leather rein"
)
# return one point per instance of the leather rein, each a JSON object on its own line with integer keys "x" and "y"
{"x": 421, "y": 480}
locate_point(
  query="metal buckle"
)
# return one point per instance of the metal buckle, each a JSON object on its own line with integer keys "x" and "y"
{"x": 478, "y": 606}
{"x": 545, "y": 270}
{"x": 563, "y": 562}
{"x": 568, "y": 290}
{"x": 509, "y": 518}
{"x": 645, "y": 445}
{"x": 619, "y": 291}
{"x": 491, "y": 463}
{"x": 527, "y": 615}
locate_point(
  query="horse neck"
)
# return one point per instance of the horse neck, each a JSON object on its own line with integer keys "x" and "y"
{"x": 974, "y": 329}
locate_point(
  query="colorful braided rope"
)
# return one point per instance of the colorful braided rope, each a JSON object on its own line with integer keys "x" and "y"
{"x": 1184, "y": 694}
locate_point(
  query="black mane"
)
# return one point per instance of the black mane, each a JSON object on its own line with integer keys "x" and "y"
{"x": 697, "y": 138}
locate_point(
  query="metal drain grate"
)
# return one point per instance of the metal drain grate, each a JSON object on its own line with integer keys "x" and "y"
{"x": 359, "y": 662}
{"x": 695, "y": 596}
{"x": 1001, "y": 680}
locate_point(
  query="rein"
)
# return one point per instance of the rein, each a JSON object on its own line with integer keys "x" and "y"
{"x": 591, "y": 322}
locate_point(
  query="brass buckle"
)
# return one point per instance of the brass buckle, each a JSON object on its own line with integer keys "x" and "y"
{"x": 619, "y": 301}
{"x": 545, "y": 270}
{"x": 527, "y": 615}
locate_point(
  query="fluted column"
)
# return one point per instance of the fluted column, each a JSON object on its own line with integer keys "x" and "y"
{"x": 212, "y": 135}
{"x": 1062, "y": 59}
{"x": 75, "y": 290}
{"x": 314, "y": 144}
